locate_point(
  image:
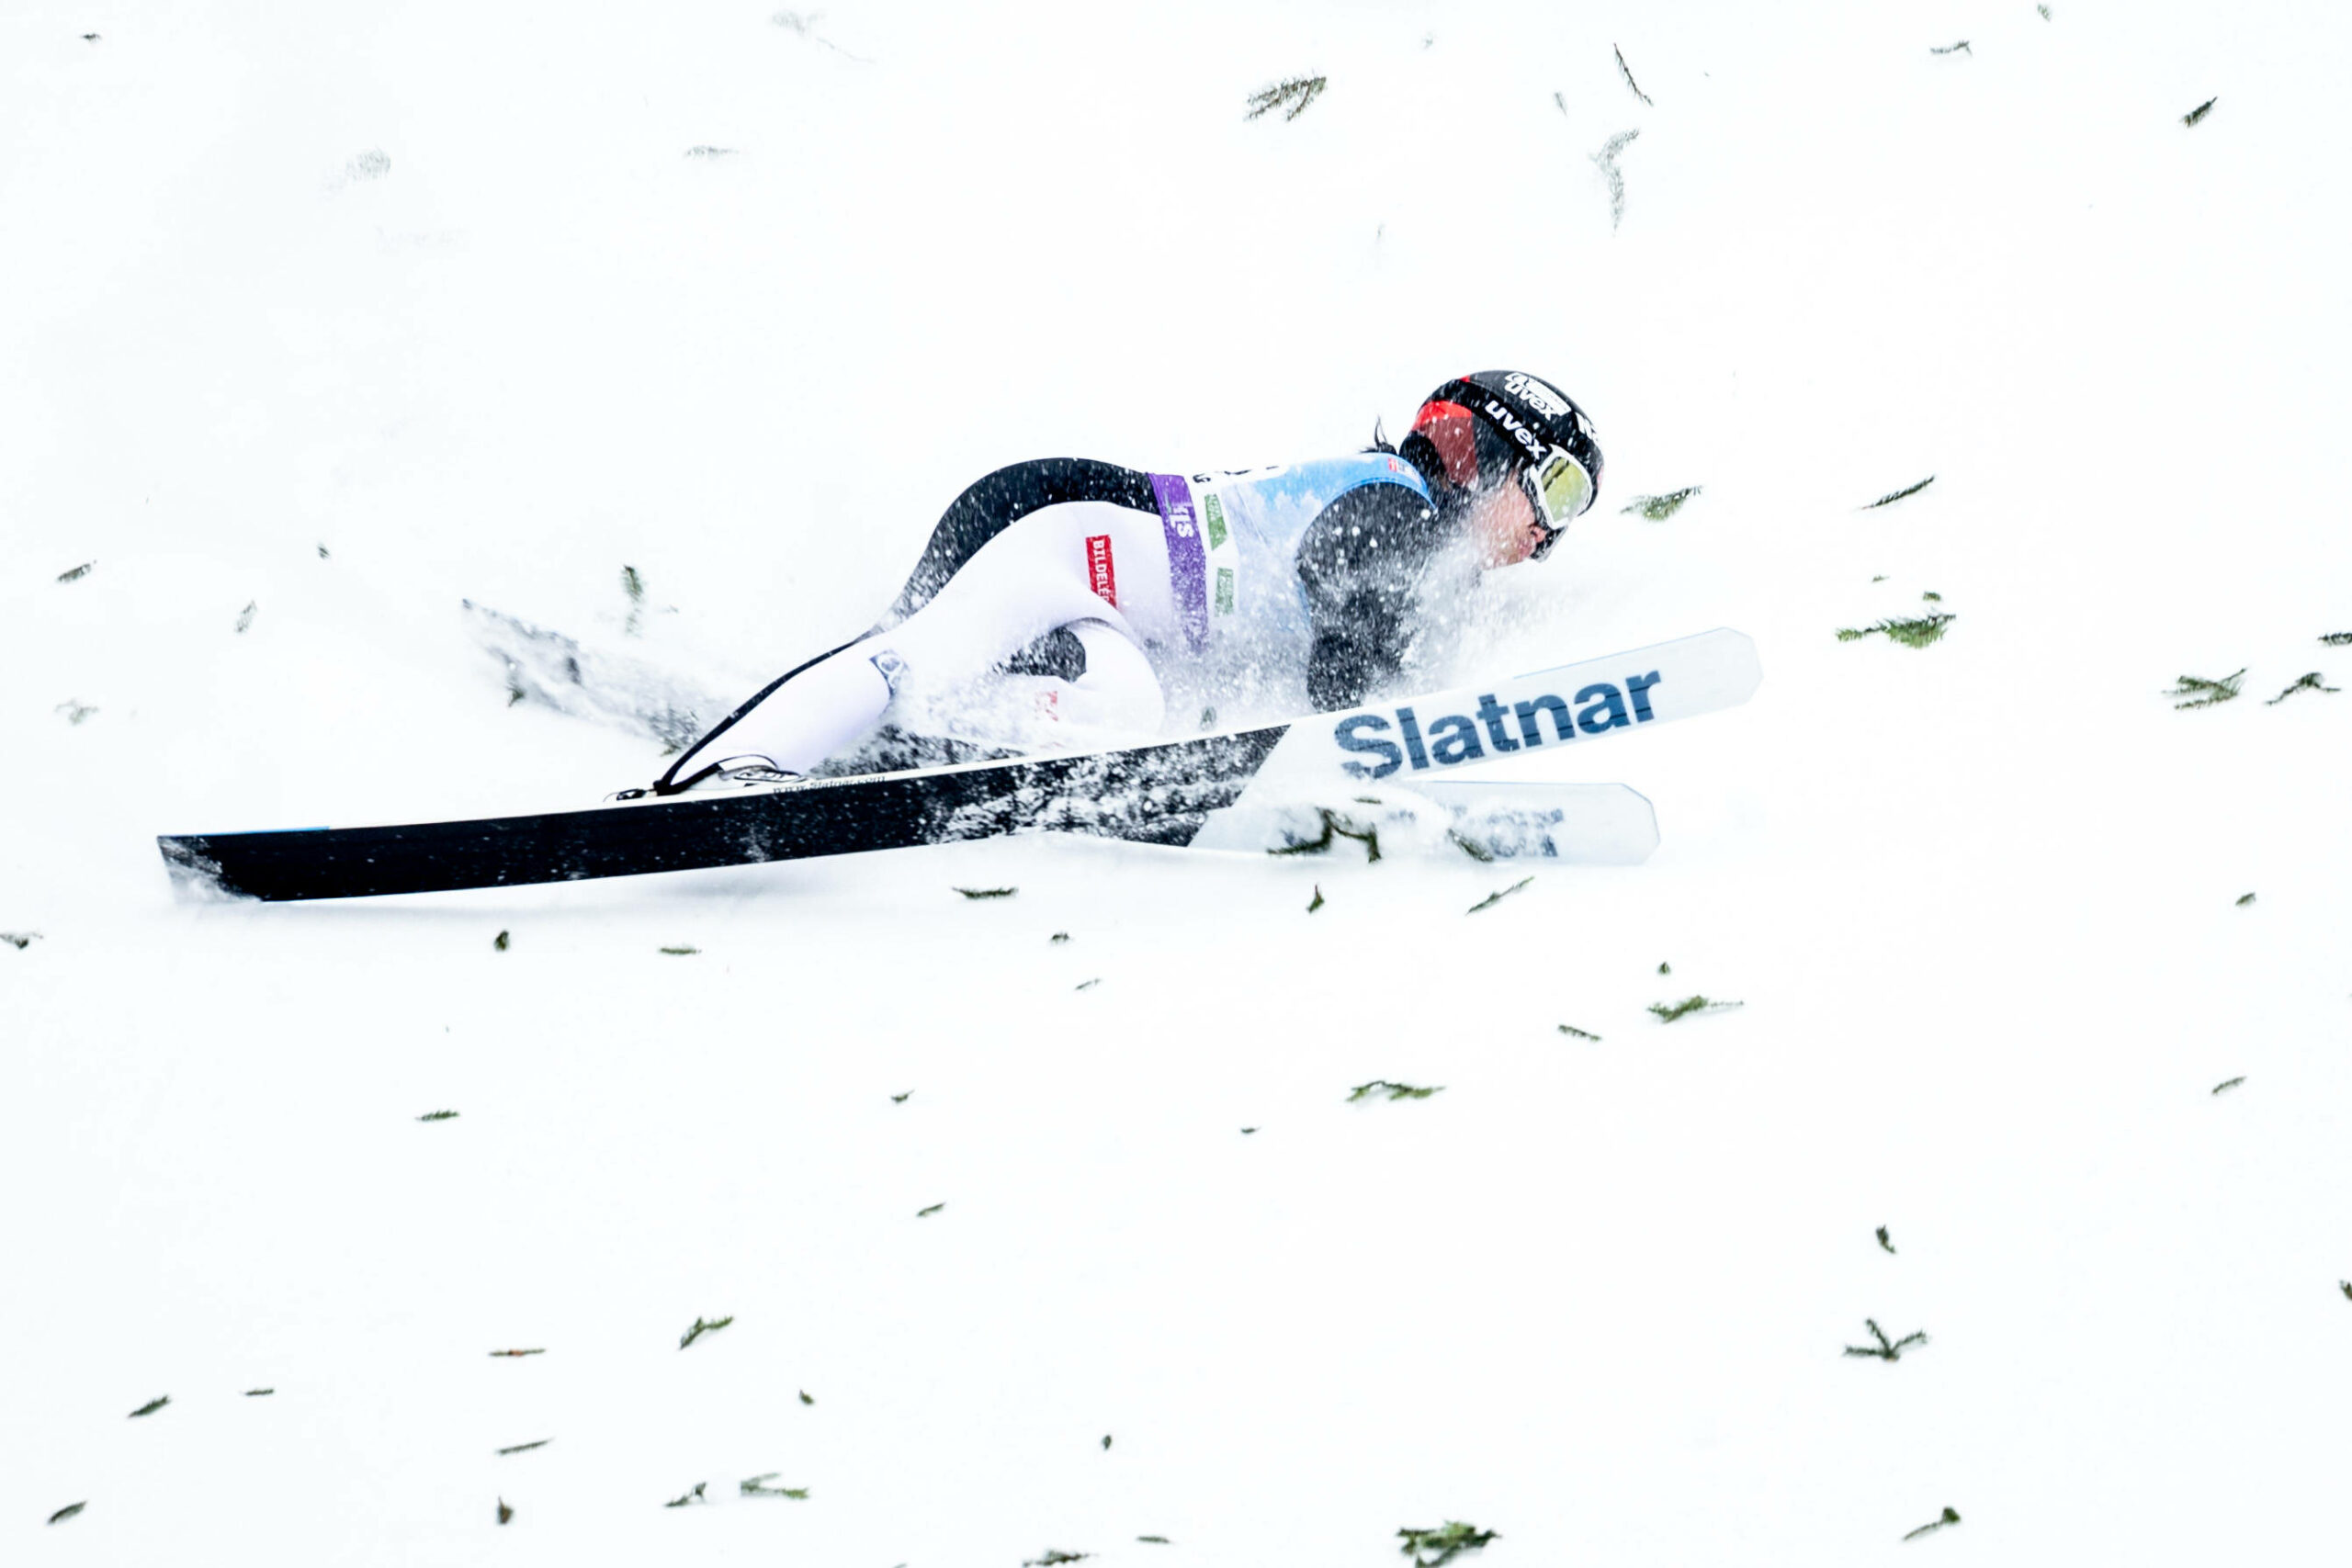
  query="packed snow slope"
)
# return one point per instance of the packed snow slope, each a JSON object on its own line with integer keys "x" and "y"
{"x": 318, "y": 321}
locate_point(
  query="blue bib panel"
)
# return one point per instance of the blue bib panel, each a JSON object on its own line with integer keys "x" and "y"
{"x": 1249, "y": 524}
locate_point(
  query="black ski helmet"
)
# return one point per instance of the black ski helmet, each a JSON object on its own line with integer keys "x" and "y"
{"x": 1478, "y": 429}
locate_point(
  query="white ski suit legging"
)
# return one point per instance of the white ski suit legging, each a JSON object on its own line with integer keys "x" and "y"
{"x": 1096, "y": 567}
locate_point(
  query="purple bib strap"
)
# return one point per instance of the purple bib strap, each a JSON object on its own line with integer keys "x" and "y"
{"x": 1187, "y": 565}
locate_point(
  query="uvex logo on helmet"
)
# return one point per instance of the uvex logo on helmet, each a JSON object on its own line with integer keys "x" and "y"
{"x": 1535, "y": 445}
{"x": 1535, "y": 394}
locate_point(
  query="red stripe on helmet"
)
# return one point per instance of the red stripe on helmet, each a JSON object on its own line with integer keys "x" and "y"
{"x": 1450, "y": 429}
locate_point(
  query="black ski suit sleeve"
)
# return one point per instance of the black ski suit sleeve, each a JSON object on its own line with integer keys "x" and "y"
{"x": 1361, "y": 562}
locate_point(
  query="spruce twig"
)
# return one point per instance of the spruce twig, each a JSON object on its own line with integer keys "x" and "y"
{"x": 1317, "y": 902}
{"x": 1607, "y": 160}
{"x": 19, "y": 939}
{"x": 926, "y": 1214}
{"x": 75, "y": 574}
{"x": 1913, "y": 631}
{"x": 1658, "y": 508}
{"x": 2199, "y": 112}
{"x": 1054, "y": 1556}
{"x": 2337, "y": 639}
{"x": 1950, "y": 1517}
{"x": 702, "y": 1327}
{"x": 682, "y": 952}
{"x": 633, "y": 585}
{"x": 2243, "y": 899}
{"x": 1431, "y": 1547}
{"x": 1669, "y": 1011}
{"x": 1393, "y": 1089}
{"x": 505, "y": 1513}
{"x": 988, "y": 892}
{"x": 1959, "y": 48}
{"x": 1885, "y": 1349}
{"x": 1336, "y": 825}
{"x": 68, "y": 1511}
{"x": 1627, "y": 71}
{"x": 1491, "y": 899}
{"x": 535, "y": 1350}
{"x": 1883, "y": 1240}
{"x": 1293, "y": 94}
{"x": 1579, "y": 1033}
{"x": 2196, "y": 692}
{"x": 246, "y": 617}
{"x": 526, "y": 1447}
{"x": 2310, "y": 682}
{"x": 438, "y": 1116}
{"x": 684, "y": 1498}
{"x": 757, "y": 1486}
{"x": 1891, "y": 496}
{"x": 152, "y": 1406}
{"x": 2229, "y": 1083}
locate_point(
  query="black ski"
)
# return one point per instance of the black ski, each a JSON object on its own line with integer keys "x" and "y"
{"x": 1154, "y": 793}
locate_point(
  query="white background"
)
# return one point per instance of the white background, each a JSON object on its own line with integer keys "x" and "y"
{"x": 1979, "y": 900}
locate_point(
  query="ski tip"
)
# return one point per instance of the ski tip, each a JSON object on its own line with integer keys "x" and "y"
{"x": 196, "y": 876}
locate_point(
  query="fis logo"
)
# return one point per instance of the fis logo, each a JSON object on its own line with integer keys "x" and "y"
{"x": 1535, "y": 394}
{"x": 1453, "y": 738}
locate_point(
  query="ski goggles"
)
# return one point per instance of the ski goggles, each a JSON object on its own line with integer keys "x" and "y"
{"x": 1560, "y": 489}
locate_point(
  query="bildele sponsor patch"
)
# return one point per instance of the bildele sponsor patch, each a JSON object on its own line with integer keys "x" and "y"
{"x": 1100, "y": 576}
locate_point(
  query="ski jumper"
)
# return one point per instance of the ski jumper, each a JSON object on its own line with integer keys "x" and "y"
{"x": 1127, "y": 590}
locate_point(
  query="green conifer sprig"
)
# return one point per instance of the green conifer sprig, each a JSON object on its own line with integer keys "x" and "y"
{"x": 1571, "y": 1029}
{"x": 1950, "y": 1517}
{"x": 1915, "y": 631}
{"x": 1491, "y": 899}
{"x": 2199, "y": 112}
{"x": 1336, "y": 825}
{"x": 1667, "y": 1012}
{"x": 1434, "y": 1548}
{"x": 152, "y": 1406}
{"x": 757, "y": 1486}
{"x": 2196, "y": 692}
{"x": 633, "y": 585}
{"x": 684, "y": 1498}
{"x": 1627, "y": 71}
{"x": 1885, "y": 1349}
{"x": 702, "y": 1327}
{"x": 1292, "y": 95}
{"x": 976, "y": 893}
{"x": 1891, "y": 496}
{"x": 1658, "y": 508}
{"x": 2311, "y": 683}
{"x": 1393, "y": 1090}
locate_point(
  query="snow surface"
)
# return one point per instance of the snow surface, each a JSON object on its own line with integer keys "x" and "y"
{"x": 444, "y": 290}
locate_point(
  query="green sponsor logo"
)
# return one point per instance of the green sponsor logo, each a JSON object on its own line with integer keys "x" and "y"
{"x": 1224, "y": 591}
{"x": 1216, "y": 515}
